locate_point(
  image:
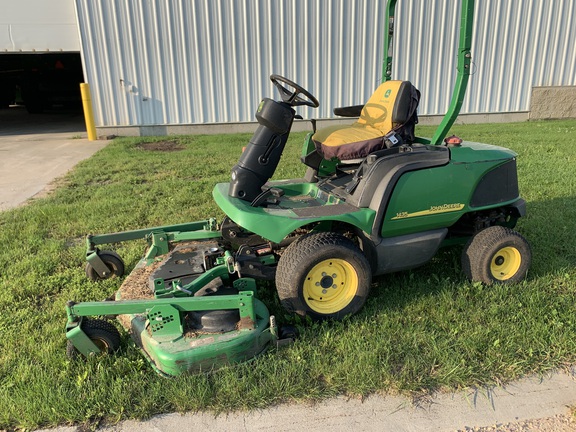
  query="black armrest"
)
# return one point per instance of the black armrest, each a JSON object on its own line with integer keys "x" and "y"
{"x": 350, "y": 111}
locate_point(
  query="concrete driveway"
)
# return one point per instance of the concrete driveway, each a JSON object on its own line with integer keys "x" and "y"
{"x": 36, "y": 149}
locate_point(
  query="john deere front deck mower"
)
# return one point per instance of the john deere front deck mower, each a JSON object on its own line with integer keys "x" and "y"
{"x": 374, "y": 199}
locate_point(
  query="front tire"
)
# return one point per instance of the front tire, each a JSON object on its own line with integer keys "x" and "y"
{"x": 323, "y": 275}
{"x": 113, "y": 262}
{"x": 103, "y": 333}
{"x": 496, "y": 254}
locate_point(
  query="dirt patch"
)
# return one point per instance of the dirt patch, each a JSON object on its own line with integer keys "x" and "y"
{"x": 166, "y": 146}
{"x": 46, "y": 191}
{"x": 135, "y": 287}
{"x": 558, "y": 423}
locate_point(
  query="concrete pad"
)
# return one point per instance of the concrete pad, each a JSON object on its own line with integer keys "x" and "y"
{"x": 527, "y": 399}
{"x": 36, "y": 149}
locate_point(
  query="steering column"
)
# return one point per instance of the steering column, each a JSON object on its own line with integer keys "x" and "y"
{"x": 260, "y": 159}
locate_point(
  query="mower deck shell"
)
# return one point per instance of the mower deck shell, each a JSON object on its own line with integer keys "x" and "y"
{"x": 194, "y": 352}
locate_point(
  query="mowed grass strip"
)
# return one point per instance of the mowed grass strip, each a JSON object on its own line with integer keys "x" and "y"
{"x": 421, "y": 331}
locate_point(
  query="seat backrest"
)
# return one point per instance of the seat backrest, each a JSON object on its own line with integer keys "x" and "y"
{"x": 391, "y": 108}
{"x": 390, "y": 105}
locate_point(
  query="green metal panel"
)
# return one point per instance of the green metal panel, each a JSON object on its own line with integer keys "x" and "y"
{"x": 437, "y": 197}
{"x": 275, "y": 223}
{"x": 165, "y": 322}
{"x": 471, "y": 152}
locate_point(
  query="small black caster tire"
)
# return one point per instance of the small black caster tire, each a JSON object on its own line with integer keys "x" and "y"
{"x": 113, "y": 262}
{"x": 288, "y": 332}
{"x": 103, "y": 333}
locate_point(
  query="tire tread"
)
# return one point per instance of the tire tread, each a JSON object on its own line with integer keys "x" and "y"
{"x": 474, "y": 264}
{"x": 299, "y": 253}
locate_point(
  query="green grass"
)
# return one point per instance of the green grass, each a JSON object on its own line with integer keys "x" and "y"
{"x": 420, "y": 331}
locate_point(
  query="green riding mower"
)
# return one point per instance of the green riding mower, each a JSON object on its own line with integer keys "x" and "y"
{"x": 374, "y": 199}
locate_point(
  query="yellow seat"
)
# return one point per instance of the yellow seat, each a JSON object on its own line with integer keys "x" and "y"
{"x": 391, "y": 106}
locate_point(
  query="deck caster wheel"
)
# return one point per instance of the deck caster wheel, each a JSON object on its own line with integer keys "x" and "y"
{"x": 288, "y": 332}
{"x": 113, "y": 262}
{"x": 103, "y": 333}
{"x": 496, "y": 254}
{"x": 323, "y": 275}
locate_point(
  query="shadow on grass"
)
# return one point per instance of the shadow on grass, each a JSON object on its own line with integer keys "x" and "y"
{"x": 550, "y": 227}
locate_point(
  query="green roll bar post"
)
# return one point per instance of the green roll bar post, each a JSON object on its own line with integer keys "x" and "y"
{"x": 464, "y": 63}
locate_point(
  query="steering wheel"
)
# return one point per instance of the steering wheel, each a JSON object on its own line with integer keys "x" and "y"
{"x": 292, "y": 97}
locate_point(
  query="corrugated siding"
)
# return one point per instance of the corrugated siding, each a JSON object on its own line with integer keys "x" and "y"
{"x": 160, "y": 62}
{"x": 517, "y": 44}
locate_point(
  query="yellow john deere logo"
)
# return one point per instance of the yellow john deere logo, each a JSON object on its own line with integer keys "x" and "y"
{"x": 260, "y": 106}
{"x": 444, "y": 208}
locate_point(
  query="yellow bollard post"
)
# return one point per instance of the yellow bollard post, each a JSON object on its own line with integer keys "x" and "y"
{"x": 88, "y": 112}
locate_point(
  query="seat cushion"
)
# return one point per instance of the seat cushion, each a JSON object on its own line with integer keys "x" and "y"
{"x": 347, "y": 142}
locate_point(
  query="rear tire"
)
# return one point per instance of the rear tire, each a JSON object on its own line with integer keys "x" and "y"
{"x": 323, "y": 275}
{"x": 496, "y": 254}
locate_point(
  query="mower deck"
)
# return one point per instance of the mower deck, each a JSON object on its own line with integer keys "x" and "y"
{"x": 199, "y": 326}
{"x": 196, "y": 351}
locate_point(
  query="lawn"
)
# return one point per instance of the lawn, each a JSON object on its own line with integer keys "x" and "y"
{"x": 421, "y": 331}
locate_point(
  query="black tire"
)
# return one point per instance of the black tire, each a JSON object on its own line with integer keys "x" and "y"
{"x": 112, "y": 261}
{"x": 496, "y": 254}
{"x": 103, "y": 333}
{"x": 323, "y": 275}
{"x": 288, "y": 332}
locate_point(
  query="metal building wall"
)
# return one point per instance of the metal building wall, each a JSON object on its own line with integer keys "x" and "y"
{"x": 517, "y": 44}
{"x": 162, "y": 62}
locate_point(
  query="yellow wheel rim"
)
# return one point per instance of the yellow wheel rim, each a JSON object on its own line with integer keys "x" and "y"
{"x": 505, "y": 263}
{"x": 330, "y": 286}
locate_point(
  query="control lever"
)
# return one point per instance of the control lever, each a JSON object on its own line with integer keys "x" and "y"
{"x": 275, "y": 192}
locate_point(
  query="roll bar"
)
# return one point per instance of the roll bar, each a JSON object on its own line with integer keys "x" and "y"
{"x": 464, "y": 63}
